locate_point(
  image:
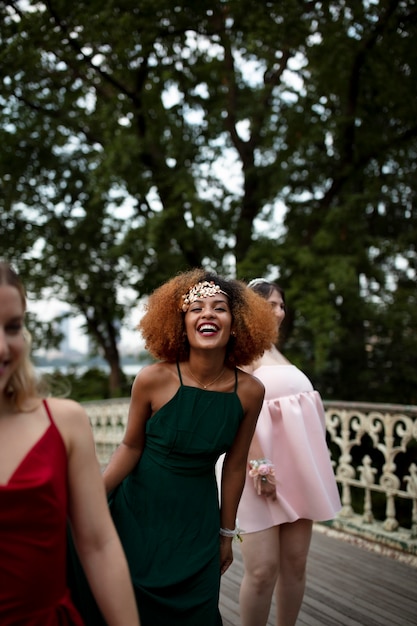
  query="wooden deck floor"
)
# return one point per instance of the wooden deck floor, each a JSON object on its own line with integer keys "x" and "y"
{"x": 348, "y": 584}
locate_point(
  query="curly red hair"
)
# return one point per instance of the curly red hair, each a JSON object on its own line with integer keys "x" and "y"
{"x": 163, "y": 329}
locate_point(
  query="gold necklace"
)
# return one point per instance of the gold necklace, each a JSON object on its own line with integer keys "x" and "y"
{"x": 208, "y": 384}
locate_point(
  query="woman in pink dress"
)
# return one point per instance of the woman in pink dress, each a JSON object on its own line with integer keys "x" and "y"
{"x": 290, "y": 483}
{"x": 49, "y": 474}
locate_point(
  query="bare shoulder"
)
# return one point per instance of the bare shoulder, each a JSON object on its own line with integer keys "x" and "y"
{"x": 249, "y": 384}
{"x": 70, "y": 418}
{"x": 154, "y": 385}
{"x": 64, "y": 409}
{"x": 154, "y": 375}
{"x": 251, "y": 392}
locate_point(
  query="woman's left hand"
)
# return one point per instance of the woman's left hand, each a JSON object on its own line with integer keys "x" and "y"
{"x": 265, "y": 488}
{"x": 226, "y": 553}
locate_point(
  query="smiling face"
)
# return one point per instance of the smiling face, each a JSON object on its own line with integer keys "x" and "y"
{"x": 12, "y": 342}
{"x": 208, "y": 322}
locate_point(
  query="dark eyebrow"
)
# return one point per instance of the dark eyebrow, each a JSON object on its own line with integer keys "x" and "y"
{"x": 223, "y": 301}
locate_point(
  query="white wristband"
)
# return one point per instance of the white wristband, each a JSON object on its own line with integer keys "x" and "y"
{"x": 235, "y": 533}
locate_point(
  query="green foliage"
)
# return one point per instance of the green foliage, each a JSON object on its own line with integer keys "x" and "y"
{"x": 141, "y": 139}
{"x": 83, "y": 387}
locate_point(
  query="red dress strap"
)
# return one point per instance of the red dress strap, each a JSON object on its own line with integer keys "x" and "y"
{"x": 48, "y": 410}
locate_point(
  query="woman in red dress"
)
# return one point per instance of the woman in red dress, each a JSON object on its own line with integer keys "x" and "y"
{"x": 49, "y": 474}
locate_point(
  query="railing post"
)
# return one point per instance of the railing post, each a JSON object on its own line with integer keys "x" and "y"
{"x": 367, "y": 441}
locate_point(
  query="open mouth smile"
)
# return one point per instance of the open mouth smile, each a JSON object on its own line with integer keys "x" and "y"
{"x": 208, "y": 329}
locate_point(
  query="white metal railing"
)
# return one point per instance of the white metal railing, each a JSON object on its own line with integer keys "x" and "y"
{"x": 374, "y": 454}
{"x": 108, "y": 419}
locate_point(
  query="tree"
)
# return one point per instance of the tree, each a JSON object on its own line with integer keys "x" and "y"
{"x": 140, "y": 140}
{"x": 351, "y": 203}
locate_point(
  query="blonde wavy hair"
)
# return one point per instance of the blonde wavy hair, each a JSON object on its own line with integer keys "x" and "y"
{"x": 23, "y": 385}
{"x": 254, "y": 326}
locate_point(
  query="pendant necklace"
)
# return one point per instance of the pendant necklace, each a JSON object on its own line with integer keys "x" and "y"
{"x": 208, "y": 384}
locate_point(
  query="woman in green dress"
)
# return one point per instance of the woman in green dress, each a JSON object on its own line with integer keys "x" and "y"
{"x": 186, "y": 410}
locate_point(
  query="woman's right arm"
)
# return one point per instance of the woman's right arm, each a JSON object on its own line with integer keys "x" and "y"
{"x": 128, "y": 453}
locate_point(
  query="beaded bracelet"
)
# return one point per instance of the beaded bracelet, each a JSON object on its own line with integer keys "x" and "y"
{"x": 235, "y": 534}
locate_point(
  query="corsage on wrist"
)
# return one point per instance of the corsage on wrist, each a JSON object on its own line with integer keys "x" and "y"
{"x": 235, "y": 533}
{"x": 262, "y": 471}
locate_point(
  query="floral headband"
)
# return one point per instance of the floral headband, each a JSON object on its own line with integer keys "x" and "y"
{"x": 204, "y": 289}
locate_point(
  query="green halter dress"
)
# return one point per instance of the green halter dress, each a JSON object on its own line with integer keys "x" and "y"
{"x": 167, "y": 513}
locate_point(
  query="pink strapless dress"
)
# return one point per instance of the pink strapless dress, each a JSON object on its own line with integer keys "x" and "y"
{"x": 291, "y": 429}
{"x": 33, "y": 522}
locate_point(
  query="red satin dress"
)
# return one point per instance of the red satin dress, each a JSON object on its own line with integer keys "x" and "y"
{"x": 33, "y": 520}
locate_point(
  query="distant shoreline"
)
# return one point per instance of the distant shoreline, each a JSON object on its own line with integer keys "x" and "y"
{"x": 130, "y": 369}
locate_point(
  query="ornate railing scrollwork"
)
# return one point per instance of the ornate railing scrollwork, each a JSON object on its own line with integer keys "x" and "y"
{"x": 373, "y": 449}
{"x": 374, "y": 453}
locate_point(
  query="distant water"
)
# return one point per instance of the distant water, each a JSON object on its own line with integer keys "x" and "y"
{"x": 130, "y": 369}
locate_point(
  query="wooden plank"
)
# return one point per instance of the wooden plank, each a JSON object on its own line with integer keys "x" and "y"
{"x": 350, "y": 582}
